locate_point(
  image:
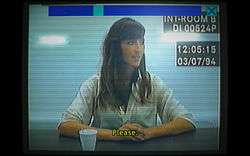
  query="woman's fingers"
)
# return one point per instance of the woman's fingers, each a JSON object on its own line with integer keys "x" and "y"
{"x": 132, "y": 126}
{"x": 136, "y": 127}
{"x": 140, "y": 136}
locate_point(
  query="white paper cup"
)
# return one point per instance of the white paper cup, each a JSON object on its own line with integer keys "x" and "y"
{"x": 88, "y": 139}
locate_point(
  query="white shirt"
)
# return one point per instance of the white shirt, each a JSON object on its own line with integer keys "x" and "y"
{"x": 161, "y": 105}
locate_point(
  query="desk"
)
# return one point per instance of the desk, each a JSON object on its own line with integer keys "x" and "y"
{"x": 206, "y": 139}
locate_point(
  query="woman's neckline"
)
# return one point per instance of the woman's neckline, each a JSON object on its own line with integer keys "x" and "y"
{"x": 126, "y": 72}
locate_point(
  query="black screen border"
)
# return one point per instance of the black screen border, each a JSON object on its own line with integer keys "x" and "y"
{"x": 223, "y": 132}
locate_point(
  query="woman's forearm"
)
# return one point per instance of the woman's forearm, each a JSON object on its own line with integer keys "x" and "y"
{"x": 72, "y": 128}
{"x": 179, "y": 125}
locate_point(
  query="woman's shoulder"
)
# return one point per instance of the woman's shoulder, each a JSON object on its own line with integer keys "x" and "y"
{"x": 94, "y": 77}
{"x": 91, "y": 81}
{"x": 156, "y": 81}
{"x": 154, "y": 78}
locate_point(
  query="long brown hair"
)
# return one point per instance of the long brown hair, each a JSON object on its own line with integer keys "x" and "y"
{"x": 123, "y": 29}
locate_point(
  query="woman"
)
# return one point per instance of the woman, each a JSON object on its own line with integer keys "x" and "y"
{"x": 124, "y": 96}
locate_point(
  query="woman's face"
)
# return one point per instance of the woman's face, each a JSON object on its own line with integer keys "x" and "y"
{"x": 132, "y": 51}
